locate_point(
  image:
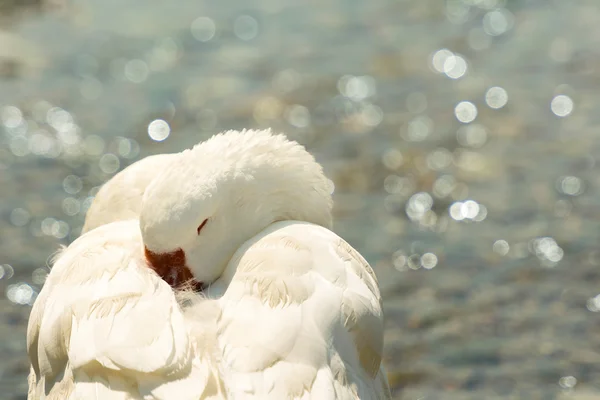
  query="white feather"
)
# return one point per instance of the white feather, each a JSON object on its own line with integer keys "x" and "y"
{"x": 298, "y": 321}
{"x": 105, "y": 326}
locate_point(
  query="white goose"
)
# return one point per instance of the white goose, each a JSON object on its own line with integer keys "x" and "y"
{"x": 296, "y": 311}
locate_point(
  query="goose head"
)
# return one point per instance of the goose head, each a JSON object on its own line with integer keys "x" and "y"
{"x": 196, "y": 213}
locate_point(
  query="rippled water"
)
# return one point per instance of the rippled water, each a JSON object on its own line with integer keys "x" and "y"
{"x": 461, "y": 135}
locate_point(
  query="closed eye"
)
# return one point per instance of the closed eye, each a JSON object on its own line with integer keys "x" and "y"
{"x": 202, "y": 225}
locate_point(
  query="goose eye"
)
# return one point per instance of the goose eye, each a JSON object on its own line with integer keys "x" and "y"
{"x": 202, "y": 225}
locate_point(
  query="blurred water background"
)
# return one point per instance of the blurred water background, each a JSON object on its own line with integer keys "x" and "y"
{"x": 461, "y": 135}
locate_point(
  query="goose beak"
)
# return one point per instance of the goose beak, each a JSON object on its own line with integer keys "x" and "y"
{"x": 171, "y": 267}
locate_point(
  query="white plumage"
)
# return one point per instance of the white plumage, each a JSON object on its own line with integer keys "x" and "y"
{"x": 292, "y": 310}
{"x": 301, "y": 318}
{"x": 105, "y": 326}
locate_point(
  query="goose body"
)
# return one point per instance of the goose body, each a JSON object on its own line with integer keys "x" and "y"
{"x": 296, "y": 315}
{"x": 289, "y": 310}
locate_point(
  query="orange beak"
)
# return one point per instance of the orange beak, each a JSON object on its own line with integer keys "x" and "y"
{"x": 172, "y": 269}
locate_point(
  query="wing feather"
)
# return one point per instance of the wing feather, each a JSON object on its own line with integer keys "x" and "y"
{"x": 107, "y": 327}
{"x": 301, "y": 318}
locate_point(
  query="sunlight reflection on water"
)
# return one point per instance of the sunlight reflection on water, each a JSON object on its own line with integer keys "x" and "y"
{"x": 460, "y": 138}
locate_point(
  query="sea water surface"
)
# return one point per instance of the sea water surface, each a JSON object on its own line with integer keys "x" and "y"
{"x": 462, "y": 137}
